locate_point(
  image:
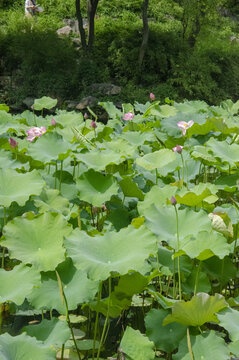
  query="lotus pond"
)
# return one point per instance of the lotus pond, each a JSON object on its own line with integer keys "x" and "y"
{"x": 119, "y": 240}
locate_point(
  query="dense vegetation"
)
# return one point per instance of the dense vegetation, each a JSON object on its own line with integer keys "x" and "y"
{"x": 192, "y": 50}
{"x": 120, "y": 241}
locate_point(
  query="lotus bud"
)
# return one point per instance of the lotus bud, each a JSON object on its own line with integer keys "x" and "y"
{"x": 13, "y": 142}
{"x": 152, "y": 96}
{"x": 93, "y": 124}
{"x": 173, "y": 201}
{"x": 85, "y": 116}
{"x": 178, "y": 149}
{"x": 53, "y": 122}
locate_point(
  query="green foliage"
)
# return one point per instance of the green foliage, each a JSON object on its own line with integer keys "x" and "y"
{"x": 113, "y": 229}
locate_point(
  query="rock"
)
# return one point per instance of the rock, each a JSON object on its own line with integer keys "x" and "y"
{"x": 66, "y": 30}
{"x": 28, "y": 101}
{"x": 87, "y": 101}
{"x": 106, "y": 89}
{"x": 74, "y": 24}
{"x": 234, "y": 39}
{"x": 71, "y": 105}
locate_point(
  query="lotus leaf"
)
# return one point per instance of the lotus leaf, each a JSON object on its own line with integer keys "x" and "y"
{"x": 36, "y": 241}
{"x": 24, "y": 347}
{"x": 207, "y": 346}
{"x": 162, "y": 221}
{"x": 49, "y": 147}
{"x": 18, "y": 187}
{"x": 44, "y": 103}
{"x": 96, "y": 188}
{"x": 52, "y": 332}
{"x": 77, "y": 288}
{"x": 114, "y": 252}
{"x": 200, "y": 309}
{"x": 156, "y": 160}
{"x": 165, "y": 338}
{"x": 13, "y": 288}
{"x": 136, "y": 346}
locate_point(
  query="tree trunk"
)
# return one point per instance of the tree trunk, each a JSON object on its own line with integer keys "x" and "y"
{"x": 144, "y": 43}
{"x": 91, "y": 10}
{"x": 80, "y": 25}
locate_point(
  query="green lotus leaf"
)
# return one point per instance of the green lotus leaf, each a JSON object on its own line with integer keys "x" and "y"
{"x": 95, "y": 188}
{"x": 44, "y": 103}
{"x": 234, "y": 348}
{"x": 111, "y": 109}
{"x": 220, "y": 270}
{"x": 196, "y": 277}
{"x": 68, "y": 119}
{"x": 121, "y": 298}
{"x": 13, "y": 288}
{"x": 162, "y": 221}
{"x": 156, "y": 160}
{"x": 229, "y": 319}
{"x": 115, "y": 251}
{"x": 138, "y": 138}
{"x": 18, "y": 187}
{"x": 197, "y": 194}
{"x": 4, "y": 107}
{"x": 136, "y": 345}
{"x": 203, "y": 154}
{"x": 77, "y": 288}
{"x": 192, "y": 107}
{"x": 24, "y": 347}
{"x": 52, "y": 332}
{"x": 37, "y": 241}
{"x": 228, "y": 182}
{"x": 130, "y": 188}
{"x": 196, "y": 312}
{"x": 165, "y": 259}
{"x": 121, "y": 146}
{"x": 6, "y": 160}
{"x": 165, "y": 338}
{"x": 99, "y": 159}
{"x": 207, "y": 346}
{"x": 225, "y": 152}
{"x": 169, "y": 125}
{"x": 50, "y": 200}
{"x": 158, "y": 196}
{"x": 49, "y": 147}
{"x": 204, "y": 245}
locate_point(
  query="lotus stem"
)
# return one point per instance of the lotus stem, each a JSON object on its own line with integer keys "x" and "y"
{"x": 4, "y": 223}
{"x": 97, "y": 319}
{"x": 178, "y": 246}
{"x": 196, "y": 279}
{"x": 106, "y": 322}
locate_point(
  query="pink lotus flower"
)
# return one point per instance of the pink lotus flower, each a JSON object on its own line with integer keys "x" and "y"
{"x": 12, "y": 142}
{"x": 53, "y": 122}
{"x": 35, "y": 132}
{"x": 128, "y": 116}
{"x": 152, "y": 96}
{"x": 178, "y": 149}
{"x": 93, "y": 124}
{"x": 183, "y": 125}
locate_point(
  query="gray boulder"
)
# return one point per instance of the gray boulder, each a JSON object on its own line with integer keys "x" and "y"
{"x": 87, "y": 101}
{"x": 66, "y": 30}
{"x": 106, "y": 89}
{"x": 71, "y": 105}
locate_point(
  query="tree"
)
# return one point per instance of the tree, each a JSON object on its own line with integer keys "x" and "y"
{"x": 145, "y": 38}
{"x": 91, "y": 11}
